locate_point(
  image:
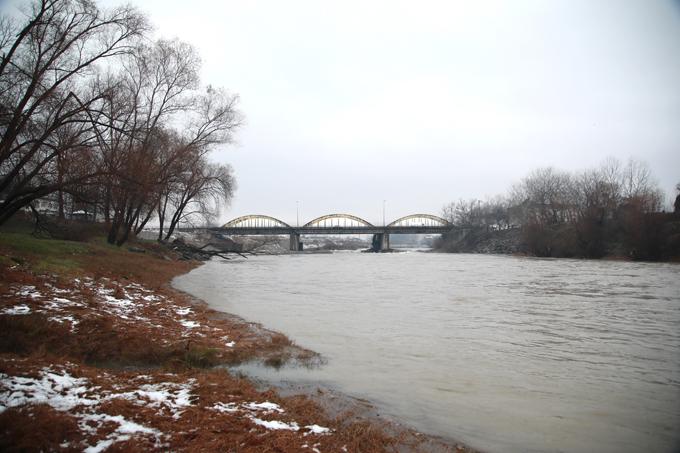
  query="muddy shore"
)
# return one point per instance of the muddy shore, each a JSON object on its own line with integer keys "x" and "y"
{"x": 99, "y": 353}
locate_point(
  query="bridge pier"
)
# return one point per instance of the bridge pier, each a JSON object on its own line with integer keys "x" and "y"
{"x": 381, "y": 242}
{"x": 295, "y": 244}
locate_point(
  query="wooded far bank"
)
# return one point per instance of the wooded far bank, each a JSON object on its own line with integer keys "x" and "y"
{"x": 614, "y": 210}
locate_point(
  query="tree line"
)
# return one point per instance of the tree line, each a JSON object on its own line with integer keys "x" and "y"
{"x": 614, "y": 209}
{"x": 92, "y": 108}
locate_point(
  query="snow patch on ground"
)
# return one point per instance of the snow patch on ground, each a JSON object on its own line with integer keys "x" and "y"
{"x": 189, "y": 324}
{"x": 183, "y": 311}
{"x": 128, "y": 303}
{"x": 123, "y": 432}
{"x": 16, "y": 310}
{"x": 29, "y": 291}
{"x": 316, "y": 429}
{"x": 225, "y": 407}
{"x": 62, "y": 392}
{"x": 266, "y": 406}
{"x": 253, "y": 409}
{"x": 66, "y": 393}
{"x": 227, "y": 343}
{"x": 60, "y": 304}
{"x": 65, "y": 318}
{"x": 166, "y": 395}
{"x": 275, "y": 424}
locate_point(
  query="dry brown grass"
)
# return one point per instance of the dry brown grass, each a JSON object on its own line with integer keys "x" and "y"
{"x": 40, "y": 428}
{"x": 36, "y": 428}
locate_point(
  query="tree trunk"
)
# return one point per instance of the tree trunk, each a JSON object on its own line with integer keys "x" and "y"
{"x": 60, "y": 193}
{"x": 113, "y": 230}
{"x": 107, "y": 204}
{"x": 161, "y": 217}
{"x": 141, "y": 226}
{"x": 175, "y": 220}
{"x": 60, "y": 198}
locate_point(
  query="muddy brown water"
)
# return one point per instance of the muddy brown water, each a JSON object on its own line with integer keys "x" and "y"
{"x": 504, "y": 353}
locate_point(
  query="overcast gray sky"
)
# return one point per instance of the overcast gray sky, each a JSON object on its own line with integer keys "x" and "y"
{"x": 419, "y": 103}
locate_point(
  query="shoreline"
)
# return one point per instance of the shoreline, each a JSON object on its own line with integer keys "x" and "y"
{"x": 107, "y": 354}
{"x": 334, "y": 402}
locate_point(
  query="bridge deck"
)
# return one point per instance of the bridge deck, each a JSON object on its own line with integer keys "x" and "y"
{"x": 272, "y": 231}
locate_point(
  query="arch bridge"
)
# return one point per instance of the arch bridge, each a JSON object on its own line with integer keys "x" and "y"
{"x": 335, "y": 224}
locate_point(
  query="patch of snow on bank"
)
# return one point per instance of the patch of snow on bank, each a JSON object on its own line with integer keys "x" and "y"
{"x": 66, "y": 393}
{"x": 29, "y": 291}
{"x": 16, "y": 310}
{"x": 316, "y": 429}
{"x": 275, "y": 424}
{"x": 66, "y": 318}
{"x": 123, "y": 432}
{"x": 125, "y": 304}
{"x": 62, "y": 392}
{"x": 266, "y": 406}
{"x": 269, "y": 408}
{"x": 169, "y": 395}
{"x": 189, "y": 324}
{"x": 56, "y": 290}
{"x": 225, "y": 407}
{"x": 229, "y": 344}
{"x": 59, "y": 303}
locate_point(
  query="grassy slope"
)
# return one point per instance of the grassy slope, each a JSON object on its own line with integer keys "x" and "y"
{"x": 94, "y": 257}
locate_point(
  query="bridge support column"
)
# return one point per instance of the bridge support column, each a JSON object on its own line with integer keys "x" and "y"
{"x": 295, "y": 244}
{"x": 381, "y": 242}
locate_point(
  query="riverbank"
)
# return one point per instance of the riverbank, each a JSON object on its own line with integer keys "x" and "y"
{"x": 98, "y": 352}
{"x": 661, "y": 245}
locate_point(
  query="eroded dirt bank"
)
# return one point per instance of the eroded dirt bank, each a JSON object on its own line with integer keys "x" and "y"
{"x": 98, "y": 353}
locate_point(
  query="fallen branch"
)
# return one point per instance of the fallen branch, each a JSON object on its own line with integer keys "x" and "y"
{"x": 192, "y": 252}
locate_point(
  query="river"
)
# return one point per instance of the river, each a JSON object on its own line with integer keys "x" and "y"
{"x": 503, "y": 353}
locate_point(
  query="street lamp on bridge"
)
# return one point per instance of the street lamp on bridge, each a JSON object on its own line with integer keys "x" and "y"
{"x": 384, "y": 212}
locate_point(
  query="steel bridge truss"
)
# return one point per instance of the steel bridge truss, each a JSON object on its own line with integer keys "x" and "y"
{"x": 334, "y": 222}
{"x": 256, "y": 221}
{"x": 337, "y": 221}
{"x": 420, "y": 220}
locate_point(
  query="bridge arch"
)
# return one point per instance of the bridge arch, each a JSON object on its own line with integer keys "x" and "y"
{"x": 337, "y": 220}
{"x": 428, "y": 220}
{"x": 255, "y": 221}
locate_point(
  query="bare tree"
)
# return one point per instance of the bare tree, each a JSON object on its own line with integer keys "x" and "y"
{"x": 546, "y": 195}
{"x": 639, "y": 189}
{"x": 199, "y": 193}
{"x": 465, "y": 213}
{"x": 636, "y": 178}
{"x": 495, "y": 212}
{"x": 158, "y": 93}
{"x": 45, "y": 98}
{"x": 596, "y": 196}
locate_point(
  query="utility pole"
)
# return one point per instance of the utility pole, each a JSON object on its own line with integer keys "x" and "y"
{"x": 384, "y": 212}
{"x": 297, "y": 214}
